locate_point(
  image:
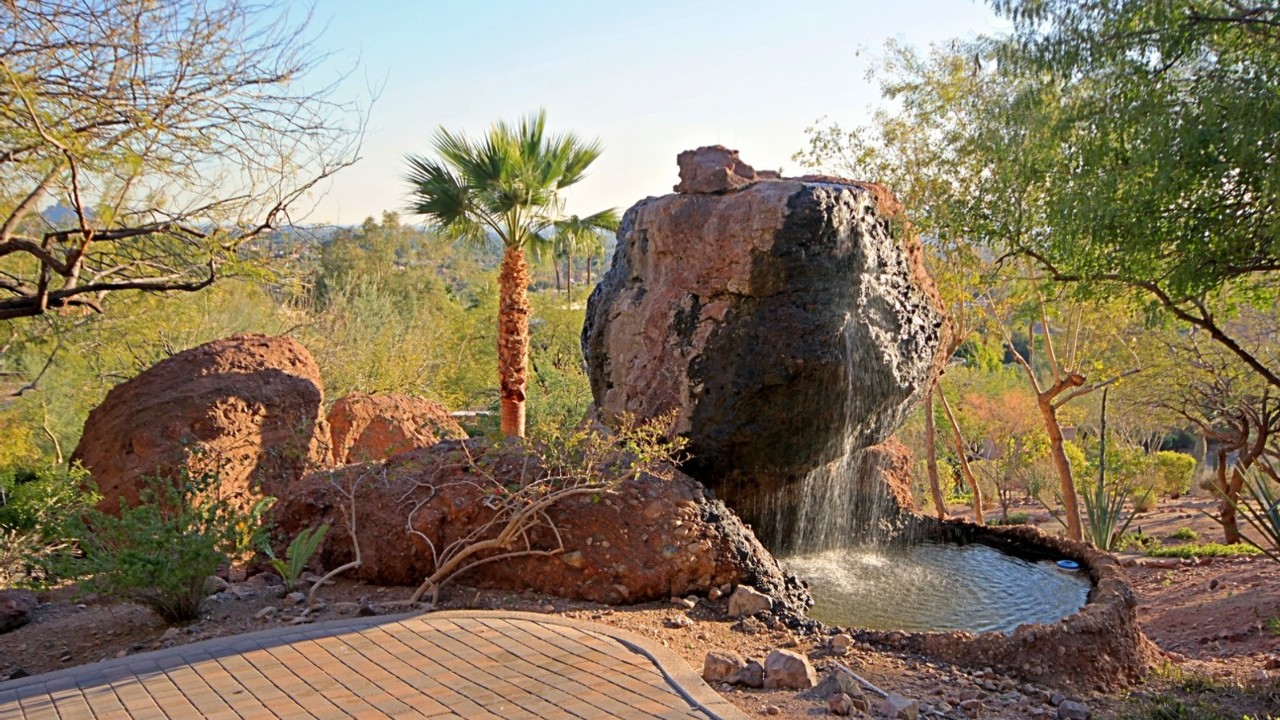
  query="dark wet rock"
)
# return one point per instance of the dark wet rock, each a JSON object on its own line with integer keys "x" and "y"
{"x": 783, "y": 322}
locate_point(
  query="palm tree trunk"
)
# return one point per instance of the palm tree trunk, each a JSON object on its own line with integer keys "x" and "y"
{"x": 513, "y": 339}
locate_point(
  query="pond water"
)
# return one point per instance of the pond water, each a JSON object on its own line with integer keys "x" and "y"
{"x": 937, "y": 587}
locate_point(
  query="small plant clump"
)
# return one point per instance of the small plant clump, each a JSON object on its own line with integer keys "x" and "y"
{"x": 1185, "y": 534}
{"x": 1204, "y": 550}
{"x": 1137, "y": 541}
{"x": 297, "y": 555}
{"x": 160, "y": 552}
{"x": 1015, "y": 518}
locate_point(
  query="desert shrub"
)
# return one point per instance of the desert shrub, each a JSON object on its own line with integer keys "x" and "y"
{"x": 35, "y": 506}
{"x": 1137, "y": 541}
{"x": 1172, "y": 472}
{"x": 1185, "y": 534}
{"x": 1143, "y": 500}
{"x": 161, "y": 551}
{"x": 1164, "y": 707}
{"x": 1015, "y": 518}
{"x": 1204, "y": 550}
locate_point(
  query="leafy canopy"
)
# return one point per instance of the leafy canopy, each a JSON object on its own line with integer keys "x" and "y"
{"x": 506, "y": 183}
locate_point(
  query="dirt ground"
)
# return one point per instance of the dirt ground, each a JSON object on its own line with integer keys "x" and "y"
{"x": 1218, "y": 622}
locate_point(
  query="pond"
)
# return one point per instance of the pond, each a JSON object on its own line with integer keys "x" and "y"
{"x": 937, "y": 587}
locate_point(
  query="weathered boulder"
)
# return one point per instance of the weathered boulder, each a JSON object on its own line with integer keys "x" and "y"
{"x": 650, "y": 538}
{"x": 782, "y": 320}
{"x": 713, "y": 169}
{"x": 244, "y": 408}
{"x": 16, "y": 608}
{"x": 375, "y": 427}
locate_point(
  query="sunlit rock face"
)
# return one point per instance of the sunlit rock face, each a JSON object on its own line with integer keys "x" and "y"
{"x": 778, "y": 317}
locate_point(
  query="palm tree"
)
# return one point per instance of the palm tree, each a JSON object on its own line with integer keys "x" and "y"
{"x": 504, "y": 184}
{"x": 582, "y": 235}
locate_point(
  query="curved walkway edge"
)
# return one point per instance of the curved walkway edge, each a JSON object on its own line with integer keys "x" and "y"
{"x": 449, "y": 664}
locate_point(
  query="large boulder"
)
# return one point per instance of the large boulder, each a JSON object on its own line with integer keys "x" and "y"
{"x": 649, "y": 539}
{"x": 375, "y": 427}
{"x": 244, "y": 408}
{"x": 781, "y": 320}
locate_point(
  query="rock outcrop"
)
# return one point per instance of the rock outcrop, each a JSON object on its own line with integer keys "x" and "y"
{"x": 652, "y": 538}
{"x": 365, "y": 427}
{"x": 246, "y": 408}
{"x": 779, "y": 317}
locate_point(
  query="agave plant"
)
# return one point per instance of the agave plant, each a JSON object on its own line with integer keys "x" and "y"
{"x": 1105, "y": 521}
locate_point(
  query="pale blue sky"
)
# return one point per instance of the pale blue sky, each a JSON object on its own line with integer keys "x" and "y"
{"x": 649, "y": 79}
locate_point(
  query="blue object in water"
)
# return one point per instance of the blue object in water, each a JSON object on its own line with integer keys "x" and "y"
{"x": 1068, "y": 564}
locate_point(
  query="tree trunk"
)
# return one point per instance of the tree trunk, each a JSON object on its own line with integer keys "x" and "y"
{"x": 513, "y": 339}
{"x": 1230, "y": 490}
{"x": 556, "y": 266}
{"x": 964, "y": 460}
{"x": 931, "y": 457}
{"x": 1075, "y": 530}
{"x": 590, "y": 259}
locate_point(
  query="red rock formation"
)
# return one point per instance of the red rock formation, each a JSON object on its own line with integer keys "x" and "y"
{"x": 713, "y": 169}
{"x": 649, "y": 540}
{"x": 365, "y": 428}
{"x": 780, "y": 318}
{"x": 244, "y": 407}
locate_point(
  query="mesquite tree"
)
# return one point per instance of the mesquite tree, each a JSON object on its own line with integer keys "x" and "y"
{"x": 143, "y": 142}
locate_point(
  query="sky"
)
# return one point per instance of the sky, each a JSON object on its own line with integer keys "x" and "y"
{"x": 647, "y": 79}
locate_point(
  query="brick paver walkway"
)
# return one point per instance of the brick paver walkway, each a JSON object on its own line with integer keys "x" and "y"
{"x": 439, "y": 665}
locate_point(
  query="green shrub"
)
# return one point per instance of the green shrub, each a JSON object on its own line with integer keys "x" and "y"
{"x": 1164, "y": 707}
{"x": 1184, "y": 534}
{"x": 1137, "y": 541}
{"x": 160, "y": 552}
{"x": 35, "y": 505}
{"x": 1143, "y": 500}
{"x": 1015, "y": 518}
{"x": 1204, "y": 550}
{"x": 1172, "y": 473}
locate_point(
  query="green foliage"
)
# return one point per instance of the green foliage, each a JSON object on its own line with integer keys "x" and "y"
{"x": 35, "y": 505}
{"x": 161, "y": 551}
{"x": 1137, "y": 541}
{"x": 559, "y": 394}
{"x": 506, "y": 183}
{"x": 1165, "y": 707}
{"x": 1105, "y": 521}
{"x": 1204, "y": 550}
{"x": 1173, "y": 471}
{"x": 1015, "y": 518}
{"x": 1185, "y": 534}
{"x": 297, "y": 555}
{"x": 1260, "y": 505}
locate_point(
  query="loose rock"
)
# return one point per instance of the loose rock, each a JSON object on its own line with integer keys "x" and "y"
{"x": 720, "y": 666}
{"x": 17, "y": 607}
{"x": 1072, "y": 710}
{"x": 787, "y": 670}
{"x": 898, "y": 707}
{"x": 746, "y": 600}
